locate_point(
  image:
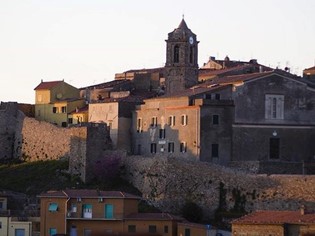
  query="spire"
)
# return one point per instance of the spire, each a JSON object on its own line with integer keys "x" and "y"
{"x": 182, "y": 24}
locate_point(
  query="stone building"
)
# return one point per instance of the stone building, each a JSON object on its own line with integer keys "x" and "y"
{"x": 309, "y": 74}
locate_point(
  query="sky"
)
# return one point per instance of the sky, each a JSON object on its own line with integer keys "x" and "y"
{"x": 85, "y": 42}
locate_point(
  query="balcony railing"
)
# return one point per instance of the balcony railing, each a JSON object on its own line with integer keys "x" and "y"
{"x": 93, "y": 216}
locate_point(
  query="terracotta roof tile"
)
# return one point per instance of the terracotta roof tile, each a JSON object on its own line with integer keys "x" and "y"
{"x": 88, "y": 193}
{"x": 47, "y": 85}
{"x": 276, "y": 217}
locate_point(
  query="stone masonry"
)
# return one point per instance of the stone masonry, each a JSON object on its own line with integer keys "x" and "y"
{"x": 169, "y": 182}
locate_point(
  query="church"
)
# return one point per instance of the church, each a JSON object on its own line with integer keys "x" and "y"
{"x": 259, "y": 118}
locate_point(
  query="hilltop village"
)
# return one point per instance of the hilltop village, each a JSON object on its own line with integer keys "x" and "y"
{"x": 230, "y": 136}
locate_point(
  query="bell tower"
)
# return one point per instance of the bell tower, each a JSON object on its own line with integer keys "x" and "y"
{"x": 181, "y": 67}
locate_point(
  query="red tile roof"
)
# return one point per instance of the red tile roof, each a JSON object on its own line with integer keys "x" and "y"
{"x": 47, "y": 85}
{"x": 276, "y": 217}
{"x": 153, "y": 216}
{"x": 88, "y": 193}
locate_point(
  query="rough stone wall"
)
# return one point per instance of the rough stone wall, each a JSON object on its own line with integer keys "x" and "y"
{"x": 169, "y": 182}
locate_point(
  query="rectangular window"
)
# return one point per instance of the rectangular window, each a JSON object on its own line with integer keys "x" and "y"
{"x": 274, "y": 107}
{"x": 0, "y": 225}
{"x": 131, "y": 228}
{"x": 139, "y": 125}
{"x": 55, "y": 109}
{"x": 19, "y": 232}
{"x": 274, "y": 148}
{"x": 171, "y": 147}
{"x": 152, "y": 228}
{"x": 87, "y": 211}
{"x": 215, "y": 150}
{"x": 154, "y": 121}
{"x": 183, "y": 147}
{"x": 109, "y": 211}
{"x": 153, "y": 147}
{"x": 87, "y": 232}
{"x": 162, "y": 134}
{"x": 1, "y": 205}
{"x": 64, "y": 109}
{"x": 52, "y": 231}
{"x": 165, "y": 229}
{"x": 70, "y": 120}
{"x": 217, "y": 96}
{"x": 184, "y": 119}
{"x": 53, "y": 207}
{"x": 215, "y": 119}
{"x": 73, "y": 207}
{"x": 187, "y": 232}
{"x": 171, "y": 120}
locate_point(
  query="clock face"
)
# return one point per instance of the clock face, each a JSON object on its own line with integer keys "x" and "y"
{"x": 191, "y": 40}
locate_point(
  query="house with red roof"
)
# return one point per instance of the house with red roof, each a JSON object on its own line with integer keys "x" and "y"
{"x": 280, "y": 223}
{"x": 55, "y": 100}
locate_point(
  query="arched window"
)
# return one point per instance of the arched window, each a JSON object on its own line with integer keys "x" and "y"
{"x": 176, "y": 54}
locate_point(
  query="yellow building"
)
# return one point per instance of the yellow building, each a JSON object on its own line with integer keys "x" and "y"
{"x": 55, "y": 100}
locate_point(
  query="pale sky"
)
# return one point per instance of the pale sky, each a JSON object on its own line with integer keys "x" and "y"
{"x": 86, "y": 42}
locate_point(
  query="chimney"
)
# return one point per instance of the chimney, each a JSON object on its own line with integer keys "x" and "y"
{"x": 302, "y": 210}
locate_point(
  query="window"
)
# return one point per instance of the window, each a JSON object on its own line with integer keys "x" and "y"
{"x": 87, "y": 232}
{"x": 139, "y": 125}
{"x": 53, "y": 207}
{"x": 215, "y": 119}
{"x": 73, "y": 208}
{"x": 171, "y": 120}
{"x": 191, "y": 54}
{"x": 183, "y": 147}
{"x": 0, "y": 225}
{"x": 1, "y": 205}
{"x": 217, "y": 96}
{"x": 152, "y": 228}
{"x": 131, "y": 228}
{"x": 109, "y": 211}
{"x": 64, "y": 109}
{"x": 171, "y": 147}
{"x": 55, "y": 109}
{"x": 19, "y": 232}
{"x": 274, "y": 148}
{"x": 154, "y": 121}
{"x": 162, "y": 134}
{"x": 64, "y": 124}
{"x": 176, "y": 54}
{"x": 153, "y": 147}
{"x": 38, "y": 112}
{"x": 187, "y": 232}
{"x": 52, "y": 231}
{"x": 70, "y": 120}
{"x": 165, "y": 229}
{"x": 215, "y": 150}
{"x": 274, "y": 107}
{"x": 184, "y": 119}
{"x": 87, "y": 211}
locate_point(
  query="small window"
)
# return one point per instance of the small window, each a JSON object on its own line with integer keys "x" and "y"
{"x": 53, "y": 207}
{"x": 154, "y": 121}
{"x": 139, "y": 125}
{"x": 274, "y": 148}
{"x": 19, "y": 232}
{"x": 152, "y": 228}
{"x": 52, "y": 231}
{"x": 171, "y": 120}
{"x": 217, "y": 96}
{"x": 70, "y": 120}
{"x": 184, "y": 119}
{"x": 0, "y": 225}
{"x": 171, "y": 147}
{"x": 187, "y": 232}
{"x": 64, "y": 109}
{"x": 183, "y": 147}
{"x": 153, "y": 147}
{"x": 131, "y": 228}
{"x": 162, "y": 134}
{"x": 165, "y": 229}
{"x": 73, "y": 208}
{"x": 215, "y": 150}
{"x": 176, "y": 54}
{"x": 215, "y": 119}
{"x": 55, "y": 109}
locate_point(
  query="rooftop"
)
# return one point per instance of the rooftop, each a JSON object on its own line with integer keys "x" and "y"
{"x": 47, "y": 85}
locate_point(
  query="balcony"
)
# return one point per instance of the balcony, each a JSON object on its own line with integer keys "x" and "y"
{"x": 92, "y": 216}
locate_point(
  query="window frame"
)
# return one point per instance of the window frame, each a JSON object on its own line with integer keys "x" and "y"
{"x": 139, "y": 124}
{"x": 215, "y": 150}
{"x": 154, "y": 121}
{"x": 183, "y": 147}
{"x": 153, "y": 148}
{"x": 171, "y": 120}
{"x": 53, "y": 207}
{"x": 162, "y": 133}
{"x": 184, "y": 119}
{"x": 274, "y": 106}
{"x": 171, "y": 147}
{"x": 152, "y": 229}
{"x": 215, "y": 119}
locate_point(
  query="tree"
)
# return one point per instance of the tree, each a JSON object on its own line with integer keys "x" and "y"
{"x": 192, "y": 212}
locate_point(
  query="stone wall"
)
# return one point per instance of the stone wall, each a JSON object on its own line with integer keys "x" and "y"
{"x": 169, "y": 182}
